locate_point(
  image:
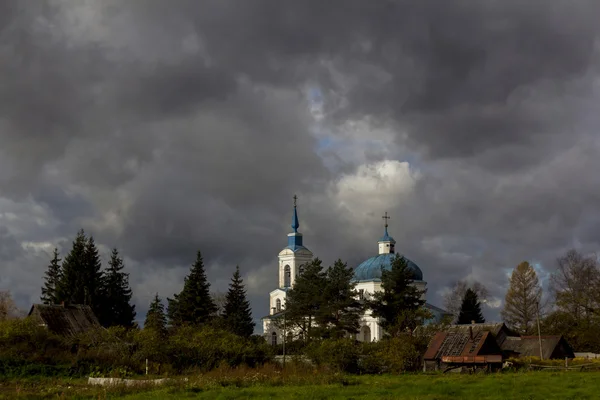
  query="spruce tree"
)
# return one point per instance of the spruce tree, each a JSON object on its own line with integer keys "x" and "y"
{"x": 399, "y": 302}
{"x": 470, "y": 309}
{"x": 238, "y": 314}
{"x": 341, "y": 312}
{"x": 116, "y": 308}
{"x": 194, "y": 304}
{"x": 52, "y": 280}
{"x": 71, "y": 288}
{"x": 82, "y": 280}
{"x": 92, "y": 274}
{"x": 305, "y": 300}
{"x": 156, "y": 319}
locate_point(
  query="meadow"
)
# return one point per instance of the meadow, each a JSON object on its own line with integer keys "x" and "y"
{"x": 269, "y": 383}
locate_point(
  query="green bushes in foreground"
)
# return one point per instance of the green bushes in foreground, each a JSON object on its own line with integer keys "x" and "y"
{"x": 29, "y": 349}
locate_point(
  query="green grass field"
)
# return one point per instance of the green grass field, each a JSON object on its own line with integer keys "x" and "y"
{"x": 530, "y": 385}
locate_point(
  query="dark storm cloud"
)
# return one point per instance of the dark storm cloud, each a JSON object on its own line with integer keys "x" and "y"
{"x": 164, "y": 129}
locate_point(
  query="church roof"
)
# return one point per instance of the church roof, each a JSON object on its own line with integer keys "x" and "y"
{"x": 296, "y": 247}
{"x": 386, "y": 237}
{"x": 370, "y": 269}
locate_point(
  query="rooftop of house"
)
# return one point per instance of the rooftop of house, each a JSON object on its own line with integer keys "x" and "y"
{"x": 65, "y": 320}
{"x": 461, "y": 343}
{"x": 529, "y": 346}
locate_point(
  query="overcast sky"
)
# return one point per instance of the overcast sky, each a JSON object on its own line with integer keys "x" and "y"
{"x": 163, "y": 128}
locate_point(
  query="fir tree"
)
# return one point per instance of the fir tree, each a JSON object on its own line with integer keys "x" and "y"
{"x": 92, "y": 274}
{"x": 470, "y": 309}
{"x": 194, "y": 305}
{"x": 305, "y": 300}
{"x": 155, "y": 318}
{"x": 52, "y": 279}
{"x": 340, "y": 313}
{"x": 82, "y": 279}
{"x": 398, "y": 304}
{"x": 237, "y": 312}
{"x": 71, "y": 288}
{"x": 116, "y": 308}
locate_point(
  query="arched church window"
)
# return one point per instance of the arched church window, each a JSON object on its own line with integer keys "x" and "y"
{"x": 286, "y": 276}
{"x": 278, "y": 305}
{"x": 366, "y": 333}
{"x": 274, "y": 339}
{"x": 301, "y": 269}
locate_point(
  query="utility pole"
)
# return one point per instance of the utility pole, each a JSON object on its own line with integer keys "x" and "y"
{"x": 284, "y": 338}
{"x": 539, "y": 331}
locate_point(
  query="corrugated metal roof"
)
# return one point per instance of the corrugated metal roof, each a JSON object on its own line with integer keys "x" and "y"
{"x": 456, "y": 344}
{"x": 67, "y": 320}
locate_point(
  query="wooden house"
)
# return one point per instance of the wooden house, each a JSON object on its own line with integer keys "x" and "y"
{"x": 546, "y": 347}
{"x": 463, "y": 347}
{"x": 64, "y": 320}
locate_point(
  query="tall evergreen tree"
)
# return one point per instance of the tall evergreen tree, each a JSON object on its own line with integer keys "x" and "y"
{"x": 93, "y": 275}
{"x": 194, "y": 304}
{"x": 470, "y": 309}
{"x": 453, "y": 299}
{"x": 305, "y": 299}
{"x": 71, "y": 288}
{"x": 117, "y": 308}
{"x": 156, "y": 319}
{"x": 52, "y": 279}
{"x": 399, "y": 303}
{"x": 82, "y": 279}
{"x": 522, "y": 301}
{"x": 237, "y": 312}
{"x": 340, "y": 314}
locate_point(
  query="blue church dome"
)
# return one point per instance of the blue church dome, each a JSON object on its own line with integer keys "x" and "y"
{"x": 370, "y": 269}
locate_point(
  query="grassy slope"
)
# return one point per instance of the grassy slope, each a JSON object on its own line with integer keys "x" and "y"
{"x": 533, "y": 385}
{"x": 538, "y": 385}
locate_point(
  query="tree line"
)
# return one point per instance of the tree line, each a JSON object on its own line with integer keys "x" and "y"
{"x": 571, "y": 306}
{"x": 324, "y": 302}
{"x": 80, "y": 279}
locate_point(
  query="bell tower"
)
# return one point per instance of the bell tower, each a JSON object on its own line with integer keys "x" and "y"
{"x": 387, "y": 243}
{"x": 293, "y": 257}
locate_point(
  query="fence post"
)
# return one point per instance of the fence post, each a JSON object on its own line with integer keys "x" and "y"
{"x": 146, "y": 366}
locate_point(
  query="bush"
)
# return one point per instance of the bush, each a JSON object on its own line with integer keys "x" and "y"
{"x": 208, "y": 347}
{"x": 336, "y": 354}
{"x": 392, "y": 355}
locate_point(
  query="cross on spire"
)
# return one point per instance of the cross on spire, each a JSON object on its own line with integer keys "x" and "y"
{"x": 295, "y": 199}
{"x": 385, "y": 217}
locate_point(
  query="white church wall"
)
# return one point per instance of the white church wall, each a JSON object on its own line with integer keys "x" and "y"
{"x": 274, "y": 296}
{"x": 294, "y": 260}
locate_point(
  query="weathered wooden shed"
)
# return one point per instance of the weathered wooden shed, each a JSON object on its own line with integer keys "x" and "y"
{"x": 64, "y": 320}
{"x": 552, "y": 347}
{"x": 463, "y": 346}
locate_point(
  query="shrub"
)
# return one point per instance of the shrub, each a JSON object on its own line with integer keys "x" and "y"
{"x": 392, "y": 355}
{"x": 207, "y": 348}
{"x": 337, "y": 354}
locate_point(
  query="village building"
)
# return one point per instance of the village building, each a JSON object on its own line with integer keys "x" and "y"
{"x": 471, "y": 346}
{"x": 545, "y": 347}
{"x": 64, "y": 320}
{"x": 367, "y": 275}
{"x": 475, "y": 348}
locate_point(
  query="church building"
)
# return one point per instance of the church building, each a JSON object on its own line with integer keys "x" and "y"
{"x": 367, "y": 276}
